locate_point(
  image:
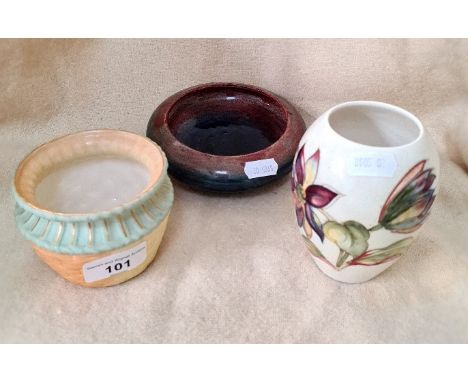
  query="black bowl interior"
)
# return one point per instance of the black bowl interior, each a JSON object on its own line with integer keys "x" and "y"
{"x": 227, "y": 120}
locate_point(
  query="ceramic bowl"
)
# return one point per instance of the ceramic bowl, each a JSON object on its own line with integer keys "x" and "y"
{"x": 100, "y": 247}
{"x": 226, "y": 136}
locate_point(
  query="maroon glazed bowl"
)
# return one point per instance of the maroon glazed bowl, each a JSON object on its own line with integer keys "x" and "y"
{"x": 226, "y": 136}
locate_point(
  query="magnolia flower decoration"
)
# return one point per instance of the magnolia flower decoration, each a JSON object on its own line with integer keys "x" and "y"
{"x": 404, "y": 211}
{"x": 408, "y": 204}
{"x": 307, "y": 195}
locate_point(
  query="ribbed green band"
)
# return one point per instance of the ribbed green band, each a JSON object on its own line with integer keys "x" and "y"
{"x": 81, "y": 234}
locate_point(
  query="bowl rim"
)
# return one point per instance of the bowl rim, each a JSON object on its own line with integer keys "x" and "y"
{"x": 162, "y": 113}
{"x": 149, "y": 190}
{"x": 237, "y": 86}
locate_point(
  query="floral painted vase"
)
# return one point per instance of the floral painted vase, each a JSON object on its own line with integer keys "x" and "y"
{"x": 364, "y": 179}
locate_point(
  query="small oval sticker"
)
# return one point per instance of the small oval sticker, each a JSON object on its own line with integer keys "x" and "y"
{"x": 260, "y": 168}
{"x": 372, "y": 164}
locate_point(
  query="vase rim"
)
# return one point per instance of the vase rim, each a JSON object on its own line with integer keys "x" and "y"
{"x": 382, "y": 106}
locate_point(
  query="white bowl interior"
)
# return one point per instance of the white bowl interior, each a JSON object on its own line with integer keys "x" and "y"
{"x": 91, "y": 184}
{"x": 89, "y": 172}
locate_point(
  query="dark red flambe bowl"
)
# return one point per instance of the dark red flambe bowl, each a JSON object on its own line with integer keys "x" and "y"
{"x": 226, "y": 136}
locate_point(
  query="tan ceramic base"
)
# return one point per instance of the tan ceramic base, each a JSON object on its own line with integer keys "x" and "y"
{"x": 70, "y": 267}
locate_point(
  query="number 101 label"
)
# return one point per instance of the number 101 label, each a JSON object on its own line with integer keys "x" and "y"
{"x": 111, "y": 265}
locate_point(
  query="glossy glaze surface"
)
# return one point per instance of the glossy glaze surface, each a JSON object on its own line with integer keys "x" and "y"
{"x": 209, "y": 132}
{"x": 224, "y": 137}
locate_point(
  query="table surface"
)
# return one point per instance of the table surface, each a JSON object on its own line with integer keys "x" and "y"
{"x": 234, "y": 268}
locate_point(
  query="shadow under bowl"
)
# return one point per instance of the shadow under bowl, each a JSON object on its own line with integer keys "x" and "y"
{"x": 211, "y": 133}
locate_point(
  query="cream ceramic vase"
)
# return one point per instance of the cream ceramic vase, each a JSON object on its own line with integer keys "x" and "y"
{"x": 97, "y": 231}
{"x": 364, "y": 179}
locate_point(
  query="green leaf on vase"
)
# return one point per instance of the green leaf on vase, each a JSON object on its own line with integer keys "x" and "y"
{"x": 341, "y": 258}
{"x": 313, "y": 248}
{"x": 382, "y": 255}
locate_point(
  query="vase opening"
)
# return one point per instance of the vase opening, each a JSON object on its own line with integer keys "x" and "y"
{"x": 375, "y": 124}
{"x": 227, "y": 121}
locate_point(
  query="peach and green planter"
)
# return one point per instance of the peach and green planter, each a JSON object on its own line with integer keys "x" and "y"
{"x": 103, "y": 235}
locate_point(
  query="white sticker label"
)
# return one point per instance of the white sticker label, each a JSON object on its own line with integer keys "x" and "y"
{"x": 111, "y": 265}
{"x": 371, "y": 164}
{"x": 259, "y": 168}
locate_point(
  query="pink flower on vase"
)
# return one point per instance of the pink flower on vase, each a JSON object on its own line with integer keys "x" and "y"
{"x": 307, "y": 195}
